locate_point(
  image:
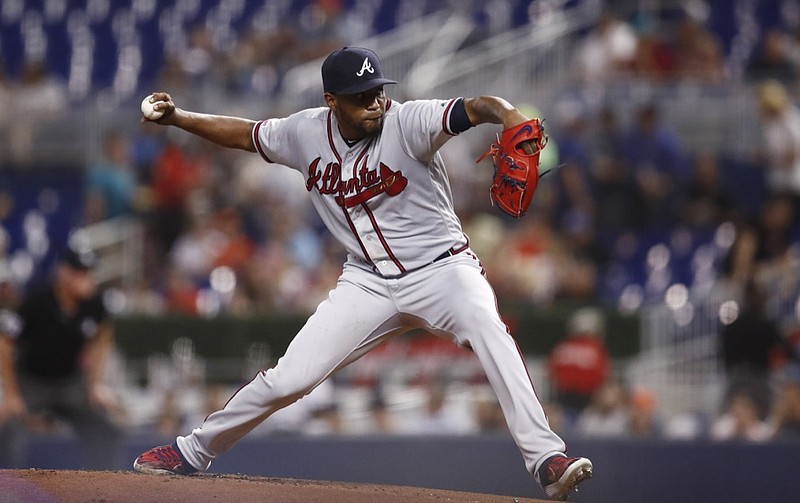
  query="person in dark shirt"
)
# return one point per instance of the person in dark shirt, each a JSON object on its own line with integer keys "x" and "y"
{"x": 748, "y": 345}
{"x": 53, "y": 351}
{"x": 772, "y": 59}
{"x": 656, "y": 158}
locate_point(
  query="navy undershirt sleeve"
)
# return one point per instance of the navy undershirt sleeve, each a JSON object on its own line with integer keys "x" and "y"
{"x": 459, "y": 120}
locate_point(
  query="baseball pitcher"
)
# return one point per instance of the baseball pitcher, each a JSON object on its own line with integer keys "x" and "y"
{"x": 374, "y": 174}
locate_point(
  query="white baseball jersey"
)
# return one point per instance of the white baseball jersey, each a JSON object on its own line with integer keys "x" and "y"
{"x": 386, "y": 198}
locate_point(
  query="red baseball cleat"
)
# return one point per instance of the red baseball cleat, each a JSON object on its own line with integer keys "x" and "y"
{"x": 163, "y": 460}
{"x": 560, "y": 475}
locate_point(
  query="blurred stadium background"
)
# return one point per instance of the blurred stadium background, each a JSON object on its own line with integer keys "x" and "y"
{"x": 666, "y": 201}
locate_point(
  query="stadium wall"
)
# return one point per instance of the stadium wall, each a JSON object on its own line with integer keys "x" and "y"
{"x": 625, "y": 470}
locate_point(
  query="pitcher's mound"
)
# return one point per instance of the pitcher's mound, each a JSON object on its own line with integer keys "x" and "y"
{"x": 62, "y": 486}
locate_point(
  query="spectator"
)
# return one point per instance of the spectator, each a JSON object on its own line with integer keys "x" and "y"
{"x": 689, "y": 425}
{"x": 793, "y": 48}
{"x": 180, "y": 293}
{"x": 580, "y": 365}
{"x": 570, "y": 205}
{"x": 174, "y": 176}
{"x": 655, "y": 57}
{"x": 489, "y": 417}
{"x": 9, "y": 289}
{"x": 780, "y": 138}
{"x": 573, "y": 197}
{"x": 321, "y": 28}
{"x": 237, "y": 248}
{"x": 608, "y": 50}
{"x": 786, "y": 412}
{"x": 607, "y": 414}
{"x": 700, "y": 56}
{"x": 39, "y": 92}
{"x": 111, "y": 182}
{"x": 772, "y": 60}
{"x": 171, "y": 418}
{"x": 10, "y": 284}
{"x": 326, "y": 420}
{"x": 775, "y": 231}
{"x": 586, "y": 258}
{"x": 578, "y": 274}
{"x": 146, "y": 146}
{"x": 654, "y": 155}
{"x": 706, "y": 203}
{"x": 764, "y": 251}
{"x": 195, "y": 251}
{"x": 531, "y": 257}
{"x": 5, "y": 103}
{"x": 438, "y": 416}
{"x": 741, "y": 420}
{"x": 60, "y": 340}
{"x": 611, "y": 178}
{"x": 556, "y": 417}
{"x": 35, "y": 98}
{"x": 380, "y": 421}
{"x": 643, "y": 420}
{"x": 748, "y": 344}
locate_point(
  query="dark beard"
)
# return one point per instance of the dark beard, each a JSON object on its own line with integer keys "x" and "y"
{"x": 374, "y": 131}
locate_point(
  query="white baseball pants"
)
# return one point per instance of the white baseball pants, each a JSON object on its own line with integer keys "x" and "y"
{"x": 450, "y": 297}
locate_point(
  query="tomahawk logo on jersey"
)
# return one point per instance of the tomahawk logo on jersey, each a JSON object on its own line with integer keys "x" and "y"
{"x": 368, "y": 184}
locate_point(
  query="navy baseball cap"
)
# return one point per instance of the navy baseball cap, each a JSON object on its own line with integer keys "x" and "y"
{"x": 352, "y": 70}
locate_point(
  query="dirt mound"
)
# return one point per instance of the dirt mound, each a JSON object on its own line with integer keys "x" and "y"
{"x": 62, "y": 486}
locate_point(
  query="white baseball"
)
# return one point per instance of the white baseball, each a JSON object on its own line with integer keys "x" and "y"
{"x": 148, "y": 111}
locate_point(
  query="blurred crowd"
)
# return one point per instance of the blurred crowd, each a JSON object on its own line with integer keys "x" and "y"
{"x": 760, "y": 399}
{"x": 227, "y": 233}
{"x": 614, "y": 176}
{"x": 423, "y": 385}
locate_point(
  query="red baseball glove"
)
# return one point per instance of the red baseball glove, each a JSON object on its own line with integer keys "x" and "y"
{"x": 515, "y": 155}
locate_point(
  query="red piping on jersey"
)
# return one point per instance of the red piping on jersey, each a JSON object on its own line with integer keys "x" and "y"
{"x": 508, "y": 330}
{"x": 524, "y": 364}
{"x": 456, "y": 251}
{"x": 361, "y": 156}
{"x": 344, "y": 209}
{"x": 445, "y": 117}
{"x": 383, "y": 240}
{"x": 347, "y": 187}
{"x": 261, "y": 372}
{"x": 257, "y": 143}
{"x": 369, "y": 212}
